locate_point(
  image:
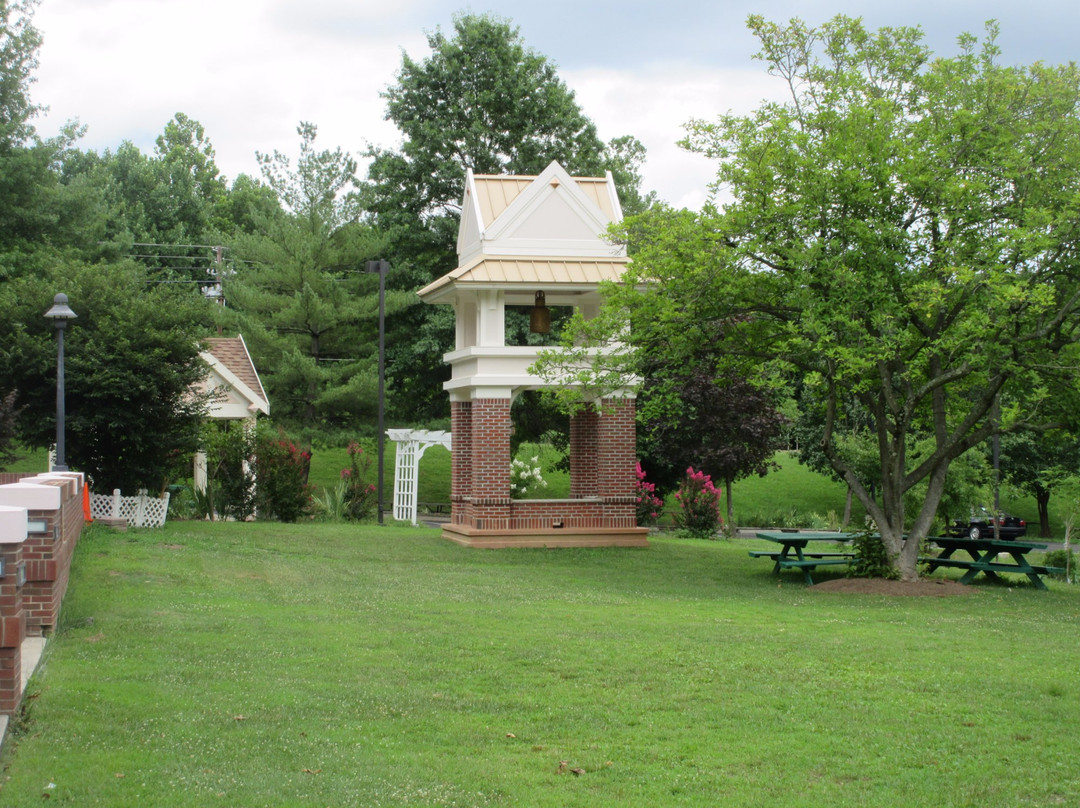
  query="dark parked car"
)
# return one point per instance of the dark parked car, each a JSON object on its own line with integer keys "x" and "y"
{"x": 981, "y": 526}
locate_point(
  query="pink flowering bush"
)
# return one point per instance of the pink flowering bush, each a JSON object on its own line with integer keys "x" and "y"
{"x": 281, "y": 473}
{"x": 699, "y": 505}
{"x": 649, "y": 505}
{"x": 361, "y": 498}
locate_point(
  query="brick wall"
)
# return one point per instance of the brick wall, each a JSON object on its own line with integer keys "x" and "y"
{"x": 12, "y": 630}
{"x": 47, "y": 555}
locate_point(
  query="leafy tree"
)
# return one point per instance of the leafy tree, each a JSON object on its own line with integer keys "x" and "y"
{"x": 903, "y": 232}
{"x": 19, "y": 43}
{"x": 307, "y": 309}
{"x": 723, "y": 425}
{"x": 131, "y": 360}
{"x": 168, "y": 198}
{"x": 1037, "y": 464}
{"x": 481, "y": 100}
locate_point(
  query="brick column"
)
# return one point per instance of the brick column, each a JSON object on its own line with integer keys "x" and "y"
{"x": 583, "y": 454}
{"x": 461, "y": 453}
{"x": 12, "y": 614}
{"x": 57, "y": 502}
{"x": 616, "y": 448}
{"x": 490, "y": 440}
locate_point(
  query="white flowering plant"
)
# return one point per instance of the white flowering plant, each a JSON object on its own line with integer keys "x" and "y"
{"x": 525, "y": 477}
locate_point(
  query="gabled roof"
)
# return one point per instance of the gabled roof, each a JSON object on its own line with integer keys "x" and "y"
{"x": 529, "y": 231}
{"x": 230, "y": 361}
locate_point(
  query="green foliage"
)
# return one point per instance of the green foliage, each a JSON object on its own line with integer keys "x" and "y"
{"x": 131, "y": 365}
{"x": 281, "y": 472}
{"x": 230, "y": 481}
{"x": 331, "y": 504}
{"x": 871, "y": 556}
{"x": 19, "y": 43}
{"x": 361, "y": 496}
{"x": 308, "y": 310}
{"x": 1064, "y": 558}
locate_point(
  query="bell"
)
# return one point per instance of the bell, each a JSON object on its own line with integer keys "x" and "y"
{"x": 540, "y": 316}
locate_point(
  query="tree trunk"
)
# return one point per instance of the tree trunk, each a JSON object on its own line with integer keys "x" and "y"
{"x": 1042, "y": 499}
{"x": 847, "y": 508}
{"x": 730, "y": 509}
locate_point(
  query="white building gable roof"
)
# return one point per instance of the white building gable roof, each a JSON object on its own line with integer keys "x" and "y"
{"x": 238, "y": 390}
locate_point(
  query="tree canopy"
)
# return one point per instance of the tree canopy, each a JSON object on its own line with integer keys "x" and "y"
{"x": 903, "y": 233}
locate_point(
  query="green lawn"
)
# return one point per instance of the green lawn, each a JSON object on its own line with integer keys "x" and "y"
{"x": 306, "y": 665}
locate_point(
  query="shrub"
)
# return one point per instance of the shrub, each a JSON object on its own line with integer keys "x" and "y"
{"x": 1064, "y": 559}
{"x": 871, "y": 558}
{"x": 699, "y": 505}
{"x": 281, "y": 473}
{"x": 360, "y": 496}
{"x": 525, "y": 477}
{"x": 331, "y": 506}
{"x": 230, "y": 484}
{"x": 649, "y": 505}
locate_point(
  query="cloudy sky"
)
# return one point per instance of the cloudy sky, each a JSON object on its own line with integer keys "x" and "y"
{"x": 251, "y": 70}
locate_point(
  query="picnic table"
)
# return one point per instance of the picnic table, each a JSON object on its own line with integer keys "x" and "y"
{"x": 794, "y": 552}
{"x": 984, "y": 556}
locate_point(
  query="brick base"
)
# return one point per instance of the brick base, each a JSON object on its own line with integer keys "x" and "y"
{"x": 547, "y": 538}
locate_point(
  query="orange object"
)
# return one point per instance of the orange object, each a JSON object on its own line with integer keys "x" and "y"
{"x": 86, "y": 503}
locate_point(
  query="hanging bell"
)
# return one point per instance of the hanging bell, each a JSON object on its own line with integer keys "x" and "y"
{"x": 540, "y": 316}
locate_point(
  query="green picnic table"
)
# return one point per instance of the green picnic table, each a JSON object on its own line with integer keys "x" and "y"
{"x": 984, "y": 556}
{"x": 794, "y": 552}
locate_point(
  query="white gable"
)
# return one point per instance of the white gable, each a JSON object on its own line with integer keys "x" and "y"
{"x": 551, "y": 215}
{"x": 231, "y": 398}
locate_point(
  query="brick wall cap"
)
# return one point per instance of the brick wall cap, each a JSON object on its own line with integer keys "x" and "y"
{"x": 32, "y": 496}
{"x": 12, "y": 524}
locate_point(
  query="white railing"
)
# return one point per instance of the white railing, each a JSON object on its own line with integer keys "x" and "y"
{"x": 139, "y": 511}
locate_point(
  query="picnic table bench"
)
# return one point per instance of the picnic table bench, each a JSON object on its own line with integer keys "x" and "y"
{"x": 984, "y": 556}
{"x": 793, "y": 552}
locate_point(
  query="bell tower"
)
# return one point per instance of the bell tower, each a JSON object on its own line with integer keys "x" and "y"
{"x": 533, "y": 242}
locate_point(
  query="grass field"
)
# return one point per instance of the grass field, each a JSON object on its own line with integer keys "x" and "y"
{"x": 258, "y": 664}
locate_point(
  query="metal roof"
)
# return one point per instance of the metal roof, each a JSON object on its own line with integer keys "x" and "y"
{"x": 495, "y": 192}
{"x": 529, "y": 272}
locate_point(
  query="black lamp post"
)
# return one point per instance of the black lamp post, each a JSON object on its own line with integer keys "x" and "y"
{"x": 60, "y": 313}
{"x": 381, "y": 267}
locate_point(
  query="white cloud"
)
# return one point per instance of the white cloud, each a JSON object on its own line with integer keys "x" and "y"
{"x": 654, "y": 108}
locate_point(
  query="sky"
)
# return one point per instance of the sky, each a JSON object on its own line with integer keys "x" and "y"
{"x": 251, "y": 70}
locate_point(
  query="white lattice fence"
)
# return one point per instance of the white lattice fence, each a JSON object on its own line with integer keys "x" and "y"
{"x": 139, "y": 511}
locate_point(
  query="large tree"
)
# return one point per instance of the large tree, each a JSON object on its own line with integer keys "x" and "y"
{"x": 481, "y": 100}
{"x": 1039, "y": 463}
{"x": 300, "y": 294}
{"x": 132, "y": 362}
{"x": 904, "y": 231}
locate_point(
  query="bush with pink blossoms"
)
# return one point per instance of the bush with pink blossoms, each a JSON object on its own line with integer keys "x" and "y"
{"x": 649, "y": 505}
{"x": 699, "y": 505}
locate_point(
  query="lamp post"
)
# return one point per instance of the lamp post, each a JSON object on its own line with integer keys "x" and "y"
{"x": 60, "y": 313}
{"x": 381, "y": 267}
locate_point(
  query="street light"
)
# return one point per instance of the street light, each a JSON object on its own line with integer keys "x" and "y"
{"x": 60, "y": 313}
{"x": 381, "y": 267}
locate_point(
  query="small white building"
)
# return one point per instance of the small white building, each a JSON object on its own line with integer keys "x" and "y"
{"x": 236, "y": 392}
